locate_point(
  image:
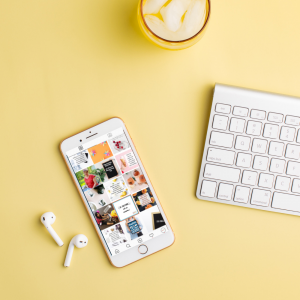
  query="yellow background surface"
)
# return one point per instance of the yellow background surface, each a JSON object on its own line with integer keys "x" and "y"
{"x": 68, "y": 65}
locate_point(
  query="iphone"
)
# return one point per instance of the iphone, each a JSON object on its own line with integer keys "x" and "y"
{"x": 117, "y": 192}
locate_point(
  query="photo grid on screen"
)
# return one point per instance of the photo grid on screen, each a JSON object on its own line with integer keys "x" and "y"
{"x": 117, "y": 192}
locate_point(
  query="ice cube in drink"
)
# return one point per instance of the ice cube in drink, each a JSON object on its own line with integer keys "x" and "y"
{"x": 175, "y": 20}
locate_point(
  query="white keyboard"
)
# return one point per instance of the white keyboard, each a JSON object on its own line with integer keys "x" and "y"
{"x": 252, "y": 151}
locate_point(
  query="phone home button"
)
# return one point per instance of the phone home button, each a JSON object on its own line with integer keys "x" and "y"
{"x": 143, "y": 249}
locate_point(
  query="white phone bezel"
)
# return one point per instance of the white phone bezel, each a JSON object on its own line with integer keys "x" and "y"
{"x": 129, "y": 256}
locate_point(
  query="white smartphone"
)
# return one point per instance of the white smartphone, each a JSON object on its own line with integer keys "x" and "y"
{"x": 117, "y": 192}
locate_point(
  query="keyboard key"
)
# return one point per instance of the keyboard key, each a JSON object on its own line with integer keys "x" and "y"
{"x": 259, "y": 146}
{"x": 271, "y": 131}
{"x": 208, "y": 188}
{"x": 277, "y": 165}
{"x": 242, "y": 143}
{"x": 282, "y": 183}
{"x": 221, "y": 173}
{"x": 223, "y": 108}
{"x": 286, "y": 201}
{"x": 258, "y": 114}
{"x": 243, "y": 160}
{"x": 237, "y": 125}
{"x": 292, "y": 151}
{"x": 220, "y": 122}
{"x": 225, "y": 191}
{"x": 293, "y": 168}
{"x": 266, "y": 180}
{"x": 296, "y": 186}
{"x": 260, "y": 163}
{"x": 249, "y": 177}
{"x": 260, "y": 197}
{"x": 298, "y": 136}
{"x": 241, "y": 194}
{"x": 272, "y": 117}
{"x": 240, "y": 111}
{"x": 287, "y": 134}
{"x": 253, "y": 128}
{"x": 221, "y": 139}
{"x": 220, "y": 156}
{"x": 276, "y": 148}
{"x": 290, "y": 120}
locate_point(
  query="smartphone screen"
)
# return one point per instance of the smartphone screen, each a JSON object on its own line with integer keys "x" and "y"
{"x": 117, "y": 191}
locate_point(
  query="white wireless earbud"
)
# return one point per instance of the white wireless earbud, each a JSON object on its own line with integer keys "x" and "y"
{"x": 48, "y": 219}
{"x": 80, "y": 241}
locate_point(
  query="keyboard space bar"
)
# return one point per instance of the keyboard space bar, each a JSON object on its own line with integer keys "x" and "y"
{"x": 221, "y": 173}
{"x": 286, "y": 202}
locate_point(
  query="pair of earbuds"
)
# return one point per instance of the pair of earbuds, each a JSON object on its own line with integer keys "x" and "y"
{"x": 79, "y": 240}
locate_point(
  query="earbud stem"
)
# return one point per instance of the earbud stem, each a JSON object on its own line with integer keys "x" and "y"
{"x": 69, "y": 254}
{"x": 55, "y": 236}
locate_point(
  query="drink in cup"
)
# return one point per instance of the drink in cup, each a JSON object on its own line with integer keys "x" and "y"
{"x": 141, "y": 179}
{"x": 174, "y": 24}
{"x": 136, "y": 173}
{"x": 130, "y": 182}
